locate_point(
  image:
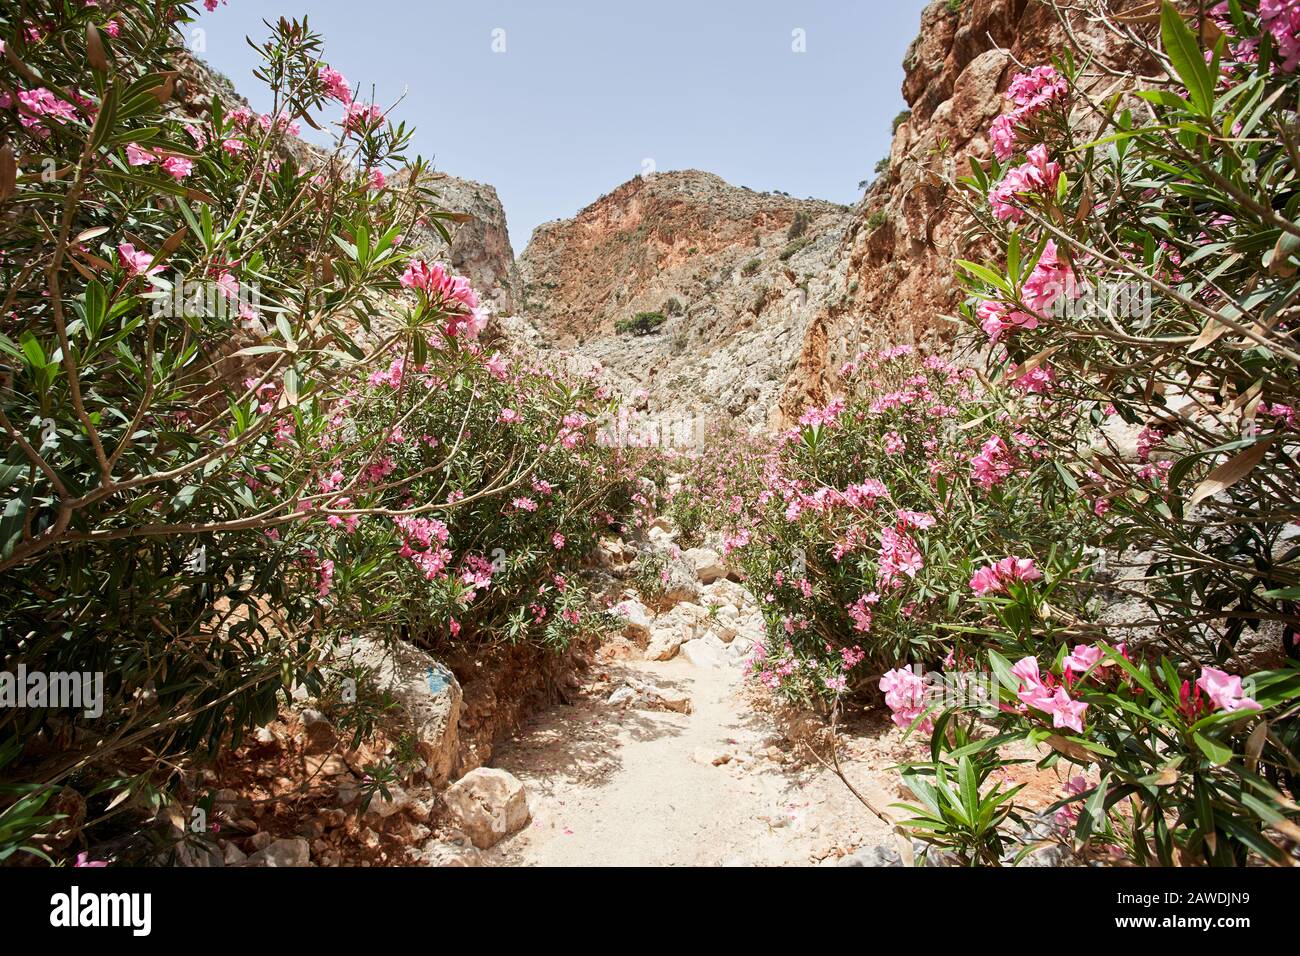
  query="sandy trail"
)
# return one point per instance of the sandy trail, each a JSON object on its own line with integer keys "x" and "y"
{"x": 610, "y": 786}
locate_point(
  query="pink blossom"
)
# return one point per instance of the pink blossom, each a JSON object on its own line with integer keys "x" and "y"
{"x": 993, "y": 463}
{"x": 1032, "y": 91}
{"x": 139, "y": 156}
{"x": 1039, "y": 175}
{"x": 1082, "y": 658}
{"x": 177, "y": 167}
{"x": 361, "y": 117}
{"x": 1002, "y": 134}
{"x": 1224, "y": 690}
{"x": 136, "y": 262}
{"x": 994, "y": 578}
{"x": 1051, "y": 278}
{"x": 905, "y": 696}
{"x": 336, "y": 85}
{"x": 898, "y": 556}
{"x": 557, "y": 541}
{"x": 1067, "y": 712}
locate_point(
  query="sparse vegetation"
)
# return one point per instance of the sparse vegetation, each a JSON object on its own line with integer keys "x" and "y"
{"x": 799, "y": 225}
{"x": 643, "y": 323}
{"x": 793, "y": 247}
{"x": 751, "y": 267}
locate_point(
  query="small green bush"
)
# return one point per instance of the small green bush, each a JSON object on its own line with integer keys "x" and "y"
{"x": 643, "y": 323}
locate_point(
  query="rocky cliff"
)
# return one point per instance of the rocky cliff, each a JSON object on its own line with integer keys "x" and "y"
{"x": 480, "y": 244}
{"x": 908, "y": 227}
{"x": 729, "y": 278}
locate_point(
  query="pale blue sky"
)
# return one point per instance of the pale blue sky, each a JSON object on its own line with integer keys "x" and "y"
{"x": 586, "y": 90}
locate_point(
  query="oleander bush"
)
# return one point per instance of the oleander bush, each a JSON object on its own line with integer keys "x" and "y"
{"x": 1092, "y": 550}
{"x": 240, "y": 419}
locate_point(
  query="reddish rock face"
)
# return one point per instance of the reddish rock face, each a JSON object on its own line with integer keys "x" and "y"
{"x": 736, "y": 275}
{"x": 898, "y": 251}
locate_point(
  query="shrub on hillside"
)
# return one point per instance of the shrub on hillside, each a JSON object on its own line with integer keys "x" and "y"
{"x": 215, "y": 462}
{"x": 643, "y": 323}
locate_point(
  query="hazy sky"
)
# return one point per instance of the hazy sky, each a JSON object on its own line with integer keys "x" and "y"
{"x": 587, "y": 91}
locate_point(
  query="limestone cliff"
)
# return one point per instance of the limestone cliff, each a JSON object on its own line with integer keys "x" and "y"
{"x": 907, "y": 229}
{"x": 735, "y": 274}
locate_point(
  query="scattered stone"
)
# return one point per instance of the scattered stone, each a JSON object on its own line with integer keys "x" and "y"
{"x": 637, "y": 621}
{"x": 232, "y": 855}
{"x": 707, "y": 564}
{"x": 624, "y": 695}
{"x": 427, "y": 692}
{"x": 488, "y": 804}
{"x": 672, "y": 629}
{"x": 294, "y": 851}
{"x": 704, "y": 653}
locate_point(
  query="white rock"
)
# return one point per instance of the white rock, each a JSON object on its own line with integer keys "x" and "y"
{"x": 673, "y": 628}
{"x": 703, "y": 653}
{"x": 707, "y": 564}
{"x": 636, "y": 618}
{"x": 624, "y": 695}
{"x": 427, "y": 692}
{"x": 488, "y": 804}
{"x": 739, "y": 649}
{"x": 291, "y": 852}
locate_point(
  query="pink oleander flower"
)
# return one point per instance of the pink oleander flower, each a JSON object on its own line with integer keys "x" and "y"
{"x": 497, "y": 367}
{"x": 139, "y": 156}
{"x": 1281, "y": 18}
{"x": 1050, "y": 279}
{"x": 136, "y": 262}
{"x": 451, "y": 293}
{"x": 326, "y": 580}
{"x": 860, "y": 612}
{"x": 361, "y": 117}
{"x": 905, "y": 696}
{"x": 1082, "y": 658}
{"x": 1068, "y": 815}
{"x": 1067, "y": 712}
{"x": 557, "y": 541}
{"x": 1002, "y": 134}
{"x": 994, "y": 578}
{"x": 177, "y": 167}
{"x": 336, "y": 85}
{"x": 997, "y": 318}
{"x": 509, "y": 416}
{"x": 1039, "y": 175}
{"x": 1224, "y": 690}
{"x": 524, "y": 504}
{"x": 898, "y": 556}
{"x": 1032, "y": 692}
{"x": 1032, "y": 91}
{"x": 993, "y": 464}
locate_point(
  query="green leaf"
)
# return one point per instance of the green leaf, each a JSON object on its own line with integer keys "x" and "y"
{"x": 1215, "y": 751}
{"x": 1185, "y": 54}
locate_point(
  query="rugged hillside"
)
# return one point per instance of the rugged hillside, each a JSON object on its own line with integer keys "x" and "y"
{"x": 480, "y": 246}
{"x": 898, "y": 250}
{"x": 736, "y": 275}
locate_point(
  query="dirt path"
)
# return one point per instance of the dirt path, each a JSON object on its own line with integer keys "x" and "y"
{"x": 613, "y": 784}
